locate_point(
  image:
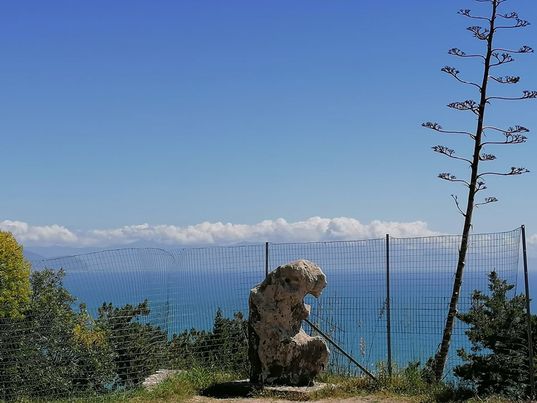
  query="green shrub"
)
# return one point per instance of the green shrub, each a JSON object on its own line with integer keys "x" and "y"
{"x": 54, "y": 350}
{"x": 47, "y": 353}
{"x": 497, "y": 363}
{"x": 137, "y": 349}
{"x": 224, "y": 348}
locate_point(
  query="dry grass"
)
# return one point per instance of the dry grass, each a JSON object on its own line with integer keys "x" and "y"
{"x": 405, "y": 385}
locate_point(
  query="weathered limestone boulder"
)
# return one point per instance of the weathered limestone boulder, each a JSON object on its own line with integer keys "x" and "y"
{"x": 280, "y": 352}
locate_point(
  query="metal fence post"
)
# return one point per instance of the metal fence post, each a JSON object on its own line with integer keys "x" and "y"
{"x": 528, "y": 313}
{"x": 266, "y": 259}
{"x": 388, "y": 310}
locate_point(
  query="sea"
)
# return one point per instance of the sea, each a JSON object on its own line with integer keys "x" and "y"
{"x": 185, "y": 289}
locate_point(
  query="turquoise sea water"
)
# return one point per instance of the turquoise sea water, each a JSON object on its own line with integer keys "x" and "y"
{"x": 353, "y": 316}
{"x": 185, "y": 288}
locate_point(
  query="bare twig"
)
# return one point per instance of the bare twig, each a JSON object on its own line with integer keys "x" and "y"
{"x": 452, "y": 71}
{"x": 451, "y": 178}
{"x": 506, "y": 79}
{"x": 519, "y": 24}
{"x": 523, "y": 49}
{"x": 467, "y": 105}
{"x": 525, "y": 95}
{"x": 459, "y": 53}
{"x": 487, "y": 157}
{"x": 509, "y": 139}
{"x": 455, "y": 198}
{"x": 436, "y": 127}
{"x": 467, "y": 13}
{"x": 502, "y": 58}
{"x": 479, "y": 32}
{"x": 510, "y": 130}
{"x": 448, "y": 152}
{"x": 486, "y": 201}
{"x": 513, "y": 171}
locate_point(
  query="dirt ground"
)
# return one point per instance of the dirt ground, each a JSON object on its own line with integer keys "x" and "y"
{"x": 366, "y": 399}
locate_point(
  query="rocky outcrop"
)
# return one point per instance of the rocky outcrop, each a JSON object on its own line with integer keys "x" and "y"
{"x": 280, "y": 352}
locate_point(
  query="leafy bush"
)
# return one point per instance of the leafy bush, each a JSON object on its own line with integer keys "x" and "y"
{"x": 498, "y": 360}
{"x": 225, "y": 347}
{"x": 51, "y": 348}
{"x": 56, "y": 350}
{"x": 50, "y": 357}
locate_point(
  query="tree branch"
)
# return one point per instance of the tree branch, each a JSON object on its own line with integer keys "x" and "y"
{"x": 448, "y": 152}
{"x": 455, "y": 198}
{"x": 509, "y": 139}
{"x": 486, "y": 201}
{"x": 506, "y": 79}
{"x": 467, "y": 105}
{"x": 466, "y": 13}
{"x": 525, "y": 95}
{"x": 508, "y": 15}
{"x": 479, "y": 32}
{"x": 511, "y": 130}
{"x": 451, "y": 178}
{"x": 504, "y": 58}
{"x": 519, "y": 24}
{"x": 523, "y": 49}
{"x": 513, "y": 171}
{"x": 452, "y": 71}
{"x": 487, "y": 157}
{"x": 436, "y": 127}
{"x": 460, "y": 53}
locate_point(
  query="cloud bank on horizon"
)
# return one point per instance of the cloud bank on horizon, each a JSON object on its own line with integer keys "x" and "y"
{"x": 217, "y": 233}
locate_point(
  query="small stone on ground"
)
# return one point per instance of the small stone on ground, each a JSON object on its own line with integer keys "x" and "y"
{"x": 158, "y": 377}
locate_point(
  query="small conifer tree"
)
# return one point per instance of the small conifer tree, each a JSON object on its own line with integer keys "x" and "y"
{"x": 497, "y": 363}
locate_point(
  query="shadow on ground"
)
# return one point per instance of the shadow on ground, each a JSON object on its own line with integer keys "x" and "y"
{"x": 232, "y": 389}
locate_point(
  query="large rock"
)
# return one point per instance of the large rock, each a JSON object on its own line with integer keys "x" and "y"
{"x": 280, "y": 352}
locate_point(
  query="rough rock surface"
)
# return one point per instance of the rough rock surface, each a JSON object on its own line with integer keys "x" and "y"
{"x": 280, "y": 352}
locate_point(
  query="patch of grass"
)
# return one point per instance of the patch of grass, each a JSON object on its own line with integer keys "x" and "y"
{"x": 406, "y": 384}
{"x": 182, "y": 386}
{"x": 176, "y": 388}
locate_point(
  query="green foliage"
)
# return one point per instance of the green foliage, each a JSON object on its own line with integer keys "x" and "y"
{"x": 46, "y": 353}
{"x": 498, "y": 360}
{"x": 14, "y": 278}
{"x": 138, "y": 348}
{"x": 225, "y": 347}
{"x": 56, "y": 350}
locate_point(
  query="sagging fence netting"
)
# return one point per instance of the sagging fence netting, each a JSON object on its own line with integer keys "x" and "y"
{"x": 105, "y": 321}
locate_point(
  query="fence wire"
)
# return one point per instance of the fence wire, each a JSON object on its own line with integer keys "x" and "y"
{"x": 105, "y": 321}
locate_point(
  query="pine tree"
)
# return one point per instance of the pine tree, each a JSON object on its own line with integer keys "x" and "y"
{"x": 498, "y": 360}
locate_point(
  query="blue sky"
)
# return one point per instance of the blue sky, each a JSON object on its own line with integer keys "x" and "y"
{"x": 176, "y": 113}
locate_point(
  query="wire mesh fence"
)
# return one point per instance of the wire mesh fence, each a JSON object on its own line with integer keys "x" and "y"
{"x": 105, "y": 321}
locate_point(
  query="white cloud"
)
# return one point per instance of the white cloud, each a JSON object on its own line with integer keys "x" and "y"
{"x": 218, "y": 233}
{"x": 39, "y": 235}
